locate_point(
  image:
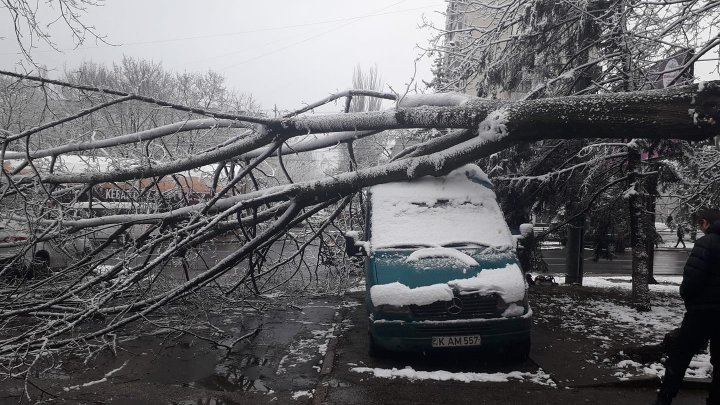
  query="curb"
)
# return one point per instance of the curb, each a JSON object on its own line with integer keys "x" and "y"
{"x": 322, "y": 388}
{"x": 649, "y": 381}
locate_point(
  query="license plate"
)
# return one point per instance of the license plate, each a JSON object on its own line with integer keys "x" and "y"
{"x": 455, "y": 341}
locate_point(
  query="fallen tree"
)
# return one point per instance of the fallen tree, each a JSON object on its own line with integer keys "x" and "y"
{"x": 258, "y": 209}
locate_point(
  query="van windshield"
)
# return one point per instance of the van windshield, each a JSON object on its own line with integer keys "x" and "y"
{"x": 451, "y": 211}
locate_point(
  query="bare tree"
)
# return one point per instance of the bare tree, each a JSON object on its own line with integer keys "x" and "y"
{"x": 32, "y": 27}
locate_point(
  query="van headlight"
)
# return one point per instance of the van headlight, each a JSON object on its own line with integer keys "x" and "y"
{"x": 387, "y": 309}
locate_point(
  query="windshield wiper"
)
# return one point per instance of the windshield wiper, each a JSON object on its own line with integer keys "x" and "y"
{"x": 410, "y": 246}
{"x": 466, "y": 244}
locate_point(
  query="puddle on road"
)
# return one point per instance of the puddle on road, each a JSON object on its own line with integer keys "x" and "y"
{"x": 240, "y": 372}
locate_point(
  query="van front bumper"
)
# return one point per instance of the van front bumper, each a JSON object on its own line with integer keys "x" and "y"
{"x": 396, "y": 335}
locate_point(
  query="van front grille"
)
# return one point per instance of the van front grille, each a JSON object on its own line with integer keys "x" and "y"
{"x": 470, "y": 306}
{"x": 456, "y": 330}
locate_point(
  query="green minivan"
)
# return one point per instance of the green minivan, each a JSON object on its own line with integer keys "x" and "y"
{"x": 442, "y": 272}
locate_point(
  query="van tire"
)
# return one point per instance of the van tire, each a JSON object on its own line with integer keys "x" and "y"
{"x": 519, "y": 352}
{"x": 374, "y": 350}
{"x": 40, "y": 264}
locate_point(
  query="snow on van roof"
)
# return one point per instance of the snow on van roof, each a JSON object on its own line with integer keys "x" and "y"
{"x": 438, "y": 211}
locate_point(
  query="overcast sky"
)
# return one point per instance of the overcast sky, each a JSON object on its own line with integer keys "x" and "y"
{"x": 283, "y": 52}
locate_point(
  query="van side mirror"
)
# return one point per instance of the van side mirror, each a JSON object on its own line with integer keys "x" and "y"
{"x": 353, "y": 246}
{"x": 526, "y": 231}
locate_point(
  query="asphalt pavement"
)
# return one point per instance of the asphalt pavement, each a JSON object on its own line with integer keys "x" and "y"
{"x": 667, "y": 261}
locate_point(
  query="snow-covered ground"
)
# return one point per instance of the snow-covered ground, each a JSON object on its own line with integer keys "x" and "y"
{"x": 538, "y": 377}
{"x": 606, "y": 320}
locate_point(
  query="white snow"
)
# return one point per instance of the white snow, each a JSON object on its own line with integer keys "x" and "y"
{"x": 506, "y": 281}
{"x": 538, "y": 377}
{"x": 305, "y": 350}
{"x": 667, "y": 284}
{"x": 526, "y": 230}
{"x": 494, "y": 127}
{"x": 436, "y": 211}
{"x": 461, "y": 257}
{"x": 398, "y": 294}
{"x": 630, "y": 192}
{"x": 102, "y": 380}
{"x": 299, "y": 394}
{"x": 434, "y": 99}
{"x": 513, "y": 310}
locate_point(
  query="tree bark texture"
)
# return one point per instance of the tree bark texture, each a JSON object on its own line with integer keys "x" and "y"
{"x": 637, "y": 201}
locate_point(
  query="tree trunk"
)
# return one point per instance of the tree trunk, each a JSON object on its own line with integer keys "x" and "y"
{"x": 638, "y": 237}
{"x": 651, "y": 187}
{"x": 574, "y": 248}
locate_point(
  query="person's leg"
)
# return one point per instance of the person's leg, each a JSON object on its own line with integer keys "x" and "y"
{"x": 714, "y": 324}
{"x": 689, "y": 340}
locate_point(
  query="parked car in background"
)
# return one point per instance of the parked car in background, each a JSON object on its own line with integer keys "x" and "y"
{"x": 100, "y": 234}
{"x": 23, "y": 255}
{"x": 442, "y": 272}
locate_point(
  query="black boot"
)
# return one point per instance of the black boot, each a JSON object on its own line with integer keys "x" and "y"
{"x": 662, "y": 400}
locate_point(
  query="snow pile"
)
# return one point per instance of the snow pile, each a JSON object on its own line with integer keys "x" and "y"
{"x": 436, "y": 211}
{"x": 538, "y": 377}
{"x": 526, "y": 230}
{"x": 699, "y": 367}
{"x": 506, "y": 281}
{"x": 300, "y": 394}
{"x": 461, "y": 257}
{"x": 513, "y": 310}
{"x": 399, "y": 294}
{"x": 494, "y": 127}
{"x": 666, "y": 284}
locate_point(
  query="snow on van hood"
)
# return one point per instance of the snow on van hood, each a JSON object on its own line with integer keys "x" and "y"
{"x": 461, "y": 257}
{"x": 436, "y": 211}
{"x": 506, "y": 281}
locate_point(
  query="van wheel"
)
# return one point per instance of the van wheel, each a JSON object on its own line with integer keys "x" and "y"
{"x": 374, "y": 350}
{"x": 519, "y": 352}
{"x": 40, "y": 264}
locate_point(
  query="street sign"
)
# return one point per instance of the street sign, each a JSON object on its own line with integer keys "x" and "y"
{"x": 663, "y": 73}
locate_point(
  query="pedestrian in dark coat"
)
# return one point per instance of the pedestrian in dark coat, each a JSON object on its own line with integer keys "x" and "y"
{"x": 700, "y": 291}
{"x": 680, "y": 234}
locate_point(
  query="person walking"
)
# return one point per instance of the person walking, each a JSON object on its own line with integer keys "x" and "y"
{"x": 700, "y": 291}
{"x": 680, "y": 235}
